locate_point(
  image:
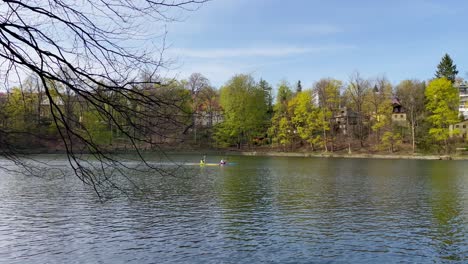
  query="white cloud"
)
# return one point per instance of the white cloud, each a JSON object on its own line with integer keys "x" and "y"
{"x": 218, "y": 53}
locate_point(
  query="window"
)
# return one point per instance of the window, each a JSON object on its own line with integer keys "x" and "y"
{"x": 464, "y": 126}
{"x": 457, "y": 126}
{"x": 401, "y": 116}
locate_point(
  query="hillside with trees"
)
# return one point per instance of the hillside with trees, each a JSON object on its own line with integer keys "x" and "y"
{"x": 94, "y": 94}
{"x": 363, "y": 115}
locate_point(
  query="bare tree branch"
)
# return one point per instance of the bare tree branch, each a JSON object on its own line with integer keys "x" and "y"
{"x": 95, "y": 56}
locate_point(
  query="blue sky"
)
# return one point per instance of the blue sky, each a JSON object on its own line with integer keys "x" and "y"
{"x": 307, "y": 40}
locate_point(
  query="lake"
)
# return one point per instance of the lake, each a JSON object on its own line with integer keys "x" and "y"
{"x": 258, "y": 210}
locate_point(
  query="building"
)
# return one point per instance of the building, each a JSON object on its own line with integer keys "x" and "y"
{"x": 398, "y": 113}
{"x": 344, "y": 120}
{"x": 45, "y": 110}
{"x": 463, "y": 94}
{"x": 461, "y": 127}
{"x": 209, "y": 118}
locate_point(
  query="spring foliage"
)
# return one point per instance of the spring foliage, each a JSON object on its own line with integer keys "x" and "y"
{"x": 442, "y": 102}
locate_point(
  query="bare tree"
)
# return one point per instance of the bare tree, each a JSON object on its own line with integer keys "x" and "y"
{"x": 328, "y": 93}
{"x": 411, "y": 95}
{"x": 196, "y": 84}
{"x": 96, "y": 50}
{"x": 357, "y": 92}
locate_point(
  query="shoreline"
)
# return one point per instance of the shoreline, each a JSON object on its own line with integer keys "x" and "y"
{"x": 326, "y": 155}
{"x": 356, "y": 156}
{"x": 279, "y": 154}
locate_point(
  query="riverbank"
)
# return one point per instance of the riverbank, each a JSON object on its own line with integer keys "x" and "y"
{"x": 355, "y": 156}
{"x": 266, "y": 153}
{"x": 325, "y": 155}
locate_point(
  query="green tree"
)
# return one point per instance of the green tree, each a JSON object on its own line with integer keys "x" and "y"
{"x": 285, "y": 132}
{"x": 245, "y": 111}
{"x": 304, "y": 117}
{"x": 447, "y": 69}
{"x": 19, "y": 110}
{"x": 391, "y": 141}
{"x": 379, "y": 105}
{"x": 382, "y": 121}
{"x": 280, "y": 113}
{"x": 98, "y": 130}
{"x": 180, "y": 108}
{"x": 442, "y": 104}
{"x": 284, "y": 92}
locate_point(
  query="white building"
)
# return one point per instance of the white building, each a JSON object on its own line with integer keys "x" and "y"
{"x": 463, "y": 93}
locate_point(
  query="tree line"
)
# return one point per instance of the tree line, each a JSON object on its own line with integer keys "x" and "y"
{"x": 244, "y": 113}
{"x": 361, "y": 114}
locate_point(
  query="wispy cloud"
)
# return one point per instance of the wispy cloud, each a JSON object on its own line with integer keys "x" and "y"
{"x": 218, "y": 53}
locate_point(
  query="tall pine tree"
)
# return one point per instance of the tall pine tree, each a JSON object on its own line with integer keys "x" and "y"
{"x": 299, "y": 87}
{"x": 267, "y": 89}
{"x": 446, "y": 69}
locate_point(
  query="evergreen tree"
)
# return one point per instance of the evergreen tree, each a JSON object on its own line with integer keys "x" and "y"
{"x": 446, "y": 69}
{"x": 299, "y": 87}
{"x": 267, "y": 90}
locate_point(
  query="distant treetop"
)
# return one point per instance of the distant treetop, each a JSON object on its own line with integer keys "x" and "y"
{"x": 447, "y": 69}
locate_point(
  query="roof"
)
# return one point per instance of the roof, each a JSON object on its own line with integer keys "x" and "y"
{"x": 396, "y": 101}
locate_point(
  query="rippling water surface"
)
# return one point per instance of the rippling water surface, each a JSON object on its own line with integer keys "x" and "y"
{"x": 261, "y": 210}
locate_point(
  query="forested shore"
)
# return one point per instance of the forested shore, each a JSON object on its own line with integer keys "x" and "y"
{"x": 360, "y": 115}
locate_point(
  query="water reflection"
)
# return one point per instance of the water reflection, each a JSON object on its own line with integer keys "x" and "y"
{"x": 448, "y": 229}
{"x": 261, "y": 210}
